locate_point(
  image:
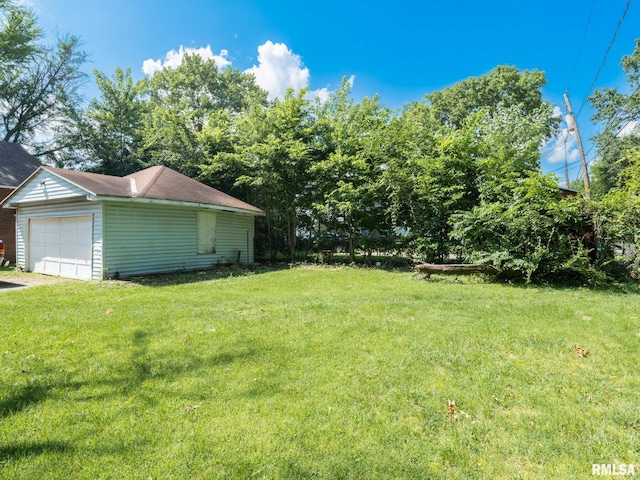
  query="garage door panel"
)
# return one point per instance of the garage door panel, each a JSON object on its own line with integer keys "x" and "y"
{"x": 38, "y": 265}
{"x": 68, "y": 269}
{"x": 67, "y": 253}
{"x": 84, "y": 237}
{"x": 61, "y": 246}
{"x": 69, "y": 238}
{"x": 52, "y": 223}
{"x": 51, "y": 237}
{"x": 37, "y": 251}
{"x": 84, "y": 254}
{"x": 84, "y": 271}
{"x": 51, "y": 267}
{"x": 69, "y": 223}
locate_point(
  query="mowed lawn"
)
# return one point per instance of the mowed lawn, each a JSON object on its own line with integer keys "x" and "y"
{"x": 317, "y": 373}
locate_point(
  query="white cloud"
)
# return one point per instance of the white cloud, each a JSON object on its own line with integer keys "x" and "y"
{"x": 630, "y": 128}
{"x": 563, "y": 146}
{"x": 279, "y": 69}
{"x": 173, "y": 59}
{"x": 323, "y": 93}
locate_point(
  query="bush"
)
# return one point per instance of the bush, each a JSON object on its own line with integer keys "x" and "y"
{"x": 529, "y": 232}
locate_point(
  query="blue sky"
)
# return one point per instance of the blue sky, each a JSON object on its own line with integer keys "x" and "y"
{"x": 399, "y": 50}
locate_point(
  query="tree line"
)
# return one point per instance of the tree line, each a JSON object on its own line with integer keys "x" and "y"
{"x": 456, "y": 175}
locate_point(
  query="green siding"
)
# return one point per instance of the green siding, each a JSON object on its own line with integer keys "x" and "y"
{"x": 140, "y": 239}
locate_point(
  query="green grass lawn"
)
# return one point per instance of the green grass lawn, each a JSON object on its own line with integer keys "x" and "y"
{"x": 316, "y": 373}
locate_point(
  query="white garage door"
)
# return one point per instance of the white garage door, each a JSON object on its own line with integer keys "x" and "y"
{"x": 61, "y": 246}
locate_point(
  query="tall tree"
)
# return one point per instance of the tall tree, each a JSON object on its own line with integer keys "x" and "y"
{"x": 188, "y": 99}
{"x": 277, "y": 152}
{"x": 109, "y": 136}
{"x": 18, "y": 35}
{"x": 348, "y": 179}
{"x": 504, "y": 86}
{"x": 38, "y": 84}
{"x": 618, "y": 112}
{"x": 431, "y": 174}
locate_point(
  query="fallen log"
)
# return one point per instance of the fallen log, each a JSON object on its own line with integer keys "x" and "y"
{"x": 428, "y": 269}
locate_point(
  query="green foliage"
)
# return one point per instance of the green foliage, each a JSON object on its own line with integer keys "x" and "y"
{"x": 18, "y": 33}
{"x": 40, "y": 95}
{"x": 430, "y": 174}
{"x": 352, "y": 176}
{"x": 616, "y": 173}
{"x": 616, "y": 110}
{"x": 347, "y": 177}
{"x": 529, "y": 233}
{"x": 190, "y": 108}
{"x": 38, "y": 83}
{"x": 503, "y": 87}
{"x": 510, "y": 138}
{"x": 617, "y": 218}
{"x": 109, "y": 137}
{"x": 277, "y": 152}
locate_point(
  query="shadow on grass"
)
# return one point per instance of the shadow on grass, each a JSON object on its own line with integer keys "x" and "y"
{"x": 219, "y": 273}
{"x": 22, "y": 398}
{"x": 145, "y": 369}
{"x": 18, "y": 450}
{"x": 10, "y": 285}
{"x": 179, "y": 278}
{"x": 143, "y": 373}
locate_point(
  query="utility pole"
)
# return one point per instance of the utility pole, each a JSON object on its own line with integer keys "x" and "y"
{"x": 566, "y": 162}
{"x": 574, "y": 127}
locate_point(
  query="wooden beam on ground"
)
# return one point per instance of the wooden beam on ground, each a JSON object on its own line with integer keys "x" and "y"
{"x": 428, "y": 269}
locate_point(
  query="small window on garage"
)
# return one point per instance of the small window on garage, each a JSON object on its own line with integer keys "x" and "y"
{"x": 206, "y": 232}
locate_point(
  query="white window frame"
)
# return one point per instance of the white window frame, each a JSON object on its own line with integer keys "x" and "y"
{"x": 206, "y": 242}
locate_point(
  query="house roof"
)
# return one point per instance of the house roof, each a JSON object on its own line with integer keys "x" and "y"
{"x": 160, "y": 183}
{"x": 16, "y": 164}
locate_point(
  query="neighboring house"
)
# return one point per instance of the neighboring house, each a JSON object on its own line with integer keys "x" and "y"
{"x": 91, "y": 226}
{"x": 15, "y": 167}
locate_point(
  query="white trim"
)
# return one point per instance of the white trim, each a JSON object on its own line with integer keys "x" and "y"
{"x": 179, "y": 203}
{"x": 53, "y": 201}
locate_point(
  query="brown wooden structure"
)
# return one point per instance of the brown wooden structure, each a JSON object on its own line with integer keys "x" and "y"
{"x": 428, "y": 269}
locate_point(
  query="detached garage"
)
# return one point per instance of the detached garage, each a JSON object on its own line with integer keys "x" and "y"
{"x": 90, "y": 226}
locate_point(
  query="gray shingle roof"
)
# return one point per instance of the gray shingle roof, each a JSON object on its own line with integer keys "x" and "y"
{"x": 16, "y": 164}
{"x": 158, "y": 182}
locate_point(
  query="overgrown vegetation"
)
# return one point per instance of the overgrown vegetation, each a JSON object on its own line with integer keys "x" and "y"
{"x": 455, "y": 176}
{"x": 316, "y": 372}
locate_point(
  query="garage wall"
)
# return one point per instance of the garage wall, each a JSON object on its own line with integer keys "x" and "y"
{"x": 146, "y": 238}
{"x": 46, "y": 186}
{"x": 60, "y": 210}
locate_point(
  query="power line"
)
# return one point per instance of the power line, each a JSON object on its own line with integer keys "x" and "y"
{"x": 584, "y": 35}
{"x": 613, "y": 119}
{"x": 604, "y": 60}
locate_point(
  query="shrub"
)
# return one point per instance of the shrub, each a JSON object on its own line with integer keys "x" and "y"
{"x": 528, "y": 232}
